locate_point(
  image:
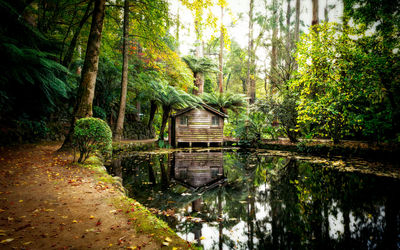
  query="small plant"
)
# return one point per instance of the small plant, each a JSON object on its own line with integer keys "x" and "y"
{"x": 91, "y": 134}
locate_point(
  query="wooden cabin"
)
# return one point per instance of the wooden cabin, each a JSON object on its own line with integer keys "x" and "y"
{"x": 195, "y": 127}
{"x": 198, "y": 170}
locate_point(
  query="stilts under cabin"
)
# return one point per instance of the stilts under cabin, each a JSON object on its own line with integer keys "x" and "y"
{"x": 197, "y": 127}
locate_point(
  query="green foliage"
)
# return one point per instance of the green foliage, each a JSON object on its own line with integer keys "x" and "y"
{"x": 339, "y": 86}
{"x": 284, "y": 113}
{"x": 225, "y": 101}
{"x": 99, "y": 112}
{"x": 200, "y": 65}
{"x": 31, "y": 82}
{"x": 253, "y": 128}
{"x": 91, "y": 134}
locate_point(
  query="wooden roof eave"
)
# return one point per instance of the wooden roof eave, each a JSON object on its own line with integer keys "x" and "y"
{"x": 205, "y": 106}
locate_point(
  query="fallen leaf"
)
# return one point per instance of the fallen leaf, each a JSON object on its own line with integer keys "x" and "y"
{"x": 91, "y": 217}
{"x": 74, "y": 221}
{"x": 6, "y": 240}
{"x": 27, "y": 243}
{"x": 168, "y": 239}
{"x": 202, "y": 238}
{"x": 165, "y": 243}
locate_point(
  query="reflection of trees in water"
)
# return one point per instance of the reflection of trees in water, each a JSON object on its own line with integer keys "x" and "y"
{"x": 303, "y": 200}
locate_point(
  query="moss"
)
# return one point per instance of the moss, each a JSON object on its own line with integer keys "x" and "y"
{"x": 141, "y": 219}
{"x": 145, "y": 222}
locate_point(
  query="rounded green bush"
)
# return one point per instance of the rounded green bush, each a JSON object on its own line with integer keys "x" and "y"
{"x": 91, "y": 134}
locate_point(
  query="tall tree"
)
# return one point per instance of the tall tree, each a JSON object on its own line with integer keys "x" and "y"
{"x": 124, "y": 81}
{"x": 315, "y": 18}
{"x": 250, "y": 51}
{"x": 87, "y": 84}
{"x": 297, "y": 21}
{"x": 221, "y": 53}
{"x": 274, "y": 43}
{"x": 72, "y": 45}
{"x": 288, "y": 35}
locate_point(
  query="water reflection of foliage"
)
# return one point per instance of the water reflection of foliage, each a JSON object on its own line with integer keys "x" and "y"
{"x": 299, "y": 199}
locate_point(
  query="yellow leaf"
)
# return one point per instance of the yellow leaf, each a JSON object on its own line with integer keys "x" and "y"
{"x": 21, "y": 200}
{"x": 74, "y": 221}
{"x": 6, "y": 240}
{"x": 168, "y": 239}
{"x": 2, "y": 210}
{"x": 165, "y": 243}
{"x": 202, "y": 238}
{"x": 27, "y": 243}
{"x": 91, "y": 217}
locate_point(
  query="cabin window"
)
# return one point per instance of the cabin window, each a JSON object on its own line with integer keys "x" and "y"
{"x": 184, "y": 120}
{"x": 215, "y": 121}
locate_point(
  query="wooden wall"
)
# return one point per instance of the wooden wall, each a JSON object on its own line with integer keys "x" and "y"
{"x": 198, "y": 168}
{"x": 199, "y": 128}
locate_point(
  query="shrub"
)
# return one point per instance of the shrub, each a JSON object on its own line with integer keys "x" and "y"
{"x": 91, "y": 134}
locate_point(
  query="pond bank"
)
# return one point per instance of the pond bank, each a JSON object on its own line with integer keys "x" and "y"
{"x": 48, "y": 202}
{"x": 326, "y": 148}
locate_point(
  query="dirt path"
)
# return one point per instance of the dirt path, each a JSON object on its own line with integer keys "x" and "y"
{"x": 46, "y": 203}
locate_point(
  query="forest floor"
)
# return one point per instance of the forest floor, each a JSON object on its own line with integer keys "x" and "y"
{"x": 46, "y": 202}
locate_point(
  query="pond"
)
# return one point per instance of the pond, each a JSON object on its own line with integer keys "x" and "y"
{"x": 241, "y": 200}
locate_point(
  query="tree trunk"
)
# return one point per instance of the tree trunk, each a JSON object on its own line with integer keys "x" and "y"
{"x": 221, "y": 54}
{"x": 227, "y": 81}
{"x": 138, "y": 110}
{"x": 84, "y": 103}
{"x": 153, "y": 109}
{"x": 71, "y": 48}
{"x": 274, "y": 48}
{"x": 288, "y": 36}
{"x": 250, "y": 54}
{"x": 297, "y": 22}
{"x": 119, "y": 128}
{"x": 326, "y": 12}
{"x": 315, "y": 19}
{"x": 166, "y": 111}
{"x": 199, "y": 83}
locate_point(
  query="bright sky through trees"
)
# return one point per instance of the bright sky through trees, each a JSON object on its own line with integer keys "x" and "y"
{"x": 239, "y": 11}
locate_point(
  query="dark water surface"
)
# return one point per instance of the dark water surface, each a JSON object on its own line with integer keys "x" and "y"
{"x": 235, "y": 200}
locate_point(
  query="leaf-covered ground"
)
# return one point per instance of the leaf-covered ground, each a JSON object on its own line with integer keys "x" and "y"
{"x": 48, "y": 203}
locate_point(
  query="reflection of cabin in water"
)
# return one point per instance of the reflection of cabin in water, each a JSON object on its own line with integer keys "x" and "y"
{"x": 194, "y": 126}
{"x": 198, "y": 169}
